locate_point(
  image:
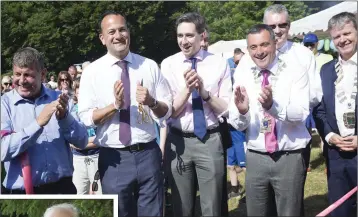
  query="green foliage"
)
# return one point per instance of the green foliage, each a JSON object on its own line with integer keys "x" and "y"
{"x": 37, "y": 207}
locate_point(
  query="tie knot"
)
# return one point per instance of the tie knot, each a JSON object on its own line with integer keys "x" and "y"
{"x": 122, "y": 64}
{"x": 193, "y": 62}
{"x": 265, "y": 73}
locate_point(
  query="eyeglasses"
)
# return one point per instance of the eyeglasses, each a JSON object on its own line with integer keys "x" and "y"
{"x": 281, "y": 26}
{"x": 95, "y": 184}
{"x": 6, "y": 84}
{"x": 309, "y": 44}
{"x": 66, "y": 79}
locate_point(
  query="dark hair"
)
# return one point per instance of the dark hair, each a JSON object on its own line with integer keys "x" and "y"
{"x": 259, "y": 28}
{"x": 106, "y": 13}
{"x": 27, "y": 57}
{"x": 195, "y": 18}
{"x": 238, "y": 51}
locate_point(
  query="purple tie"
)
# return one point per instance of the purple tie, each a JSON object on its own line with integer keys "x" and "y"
{"x": 124, "y": 114}
{"x": 270, "y": 137}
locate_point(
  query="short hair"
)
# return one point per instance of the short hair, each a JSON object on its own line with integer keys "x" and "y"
{"x": 64, "y": 206}
{"x": 6, "y": 78}
{"x": 73, "y": 67}
{"x": 259, "y": 28}
{"x": 339, "y": 20}
{"x": 68, "y": 77}
{"x": 196, "y": 19}
{"x": 107, "y": 13}
{"x": 27, "y": 57}
{"x": 276, "y": 9}
{"x": 238, "y": 51}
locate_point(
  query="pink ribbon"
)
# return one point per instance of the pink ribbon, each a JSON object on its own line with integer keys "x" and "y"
{"x": 336, "y": 204}
{"x": 25, "y": 166}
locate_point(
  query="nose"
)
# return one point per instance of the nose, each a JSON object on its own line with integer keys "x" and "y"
{"x": 118, "y": 34}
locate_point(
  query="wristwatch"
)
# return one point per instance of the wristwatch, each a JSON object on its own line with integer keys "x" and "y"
{"x": 207, "y": 98}
{"x": 155, "y": 105}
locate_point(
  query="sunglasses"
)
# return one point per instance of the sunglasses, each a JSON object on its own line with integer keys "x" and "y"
{"x": 61, "y": 80}
{"x": 6, "y": 84}
{"x": 95, "y": 184}
{"x": 281, "y": 26}
{"x": 309, "y": 44}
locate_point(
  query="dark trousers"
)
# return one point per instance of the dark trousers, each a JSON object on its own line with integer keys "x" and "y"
{"x": 62, "y": 186}
{"x": 136, "y": 177}
{"x": 342, "y": 177}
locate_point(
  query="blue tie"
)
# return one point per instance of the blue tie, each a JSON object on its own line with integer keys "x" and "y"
{"x": 198, "y": 112}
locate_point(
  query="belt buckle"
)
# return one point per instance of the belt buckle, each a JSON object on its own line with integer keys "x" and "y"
{"x": 134, "y": 147}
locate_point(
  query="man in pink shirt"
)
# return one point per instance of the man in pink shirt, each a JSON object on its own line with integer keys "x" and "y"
{"x": 201, "y": 88}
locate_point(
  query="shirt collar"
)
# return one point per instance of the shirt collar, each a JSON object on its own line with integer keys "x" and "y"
{"x": 113, "y": 60}
{"x": 200, "y": 55}
{"x": 284, "y": 48}
{"x": 273, "y": 67}
{"x": 353, "y": 59}
{"x": 18, "y": 98}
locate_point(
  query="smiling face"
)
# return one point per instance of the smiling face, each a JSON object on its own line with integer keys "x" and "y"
{"x": 280, "y": 25}
{"x": 27, "y": 81}
{"x": 189, "y": 40}
{"x": 345, "y": 39}
{"x": 115, "y": 35}
{"x": 261, "y": 48}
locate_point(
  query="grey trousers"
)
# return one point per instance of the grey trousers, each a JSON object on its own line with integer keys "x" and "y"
{"x": 285, "y": 174}
{"x": 187, "y": 156}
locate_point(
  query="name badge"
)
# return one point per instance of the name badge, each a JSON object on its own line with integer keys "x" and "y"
{"x": 349, "y": 120}
{"x": 265, "y": 126}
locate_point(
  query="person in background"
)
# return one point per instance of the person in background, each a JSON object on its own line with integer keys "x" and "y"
{"x": 336, "y": 116}
{"x": 62, "y": 210}
{"x": 6, "y": 84}
{"x": 64, "y": 83}
{"x": 85, "y": 161}
{"x": 204, "y": 44}
{"x": 37, "y": 126}
{"x": 72, "y": 70}
{"x": 53, "y": 83}
{"x": 234, "y": 61}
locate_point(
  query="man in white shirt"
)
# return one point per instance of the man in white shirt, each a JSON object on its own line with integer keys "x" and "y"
{"x": 120, "y": 94}
{"x": 271, "y": 102}
{"x": 337, "y": 114}
{"x": 201, "y": 87}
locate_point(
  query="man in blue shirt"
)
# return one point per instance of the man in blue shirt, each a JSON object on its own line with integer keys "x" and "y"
{"x": 37, "y": 126}
{"x": 236, "y": 153}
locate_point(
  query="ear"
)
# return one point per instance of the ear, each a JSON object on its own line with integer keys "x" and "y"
{"x": 101, "y": 37}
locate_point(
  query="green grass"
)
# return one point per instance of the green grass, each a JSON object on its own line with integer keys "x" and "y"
{"x": 315, "y": 188}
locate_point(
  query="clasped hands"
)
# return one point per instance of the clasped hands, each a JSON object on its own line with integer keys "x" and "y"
{"x": 194, "y": 81}
{"x": 241, "y": 98}
{"x": 348, "y": 143}
{"x": 59, "y": 107}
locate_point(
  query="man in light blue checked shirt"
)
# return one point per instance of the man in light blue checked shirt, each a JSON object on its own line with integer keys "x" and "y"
{"x": 37, "y": 126}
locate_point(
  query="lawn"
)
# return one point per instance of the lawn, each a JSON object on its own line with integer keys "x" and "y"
{"x": 315, "y": 188}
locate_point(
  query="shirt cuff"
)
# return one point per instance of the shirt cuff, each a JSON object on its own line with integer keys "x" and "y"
{"x": 66, "y": 122}
{"x": 32, "y": 128}
{"x": 275, "y": 109}
{"x": 161, "y": 121}
{"x": 328, "y": 137}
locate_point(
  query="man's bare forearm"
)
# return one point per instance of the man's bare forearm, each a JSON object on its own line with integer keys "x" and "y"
{"x": 102, "y": 115}
{"x": 161, "y": 110}
{"x": 180, "y": 102}
{"x": 217, "y": 105}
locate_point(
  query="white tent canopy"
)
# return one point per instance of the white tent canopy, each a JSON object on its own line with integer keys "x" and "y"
{"x": 319, "y": 21}
{"x": 226, "y": 48}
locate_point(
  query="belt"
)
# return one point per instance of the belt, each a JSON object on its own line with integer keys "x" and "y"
{"x": 191, "y": 135}
{"x": 278, "y": 153}
{"x": 135, "y": 147}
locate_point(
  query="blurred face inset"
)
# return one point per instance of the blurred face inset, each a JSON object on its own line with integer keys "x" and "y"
{"x": 261, "y": 48}
{"x": 189, "y": 39}
{"x": 237, "y": 58}
{"x": 27, "y": 81}
{"x": 280, "y": 25}
{"x": 345, "y": 40}
{"x": 115, "y": 35}
{"x": 65, "y": 82}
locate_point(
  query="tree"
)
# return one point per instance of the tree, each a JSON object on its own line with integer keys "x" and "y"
{"x": 37, "y": 207}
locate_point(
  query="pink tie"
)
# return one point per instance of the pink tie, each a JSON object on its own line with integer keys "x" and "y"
{"x": 25, "y": 166}
{"x": 124, "y": 114}
{"x": 270, "y": 137}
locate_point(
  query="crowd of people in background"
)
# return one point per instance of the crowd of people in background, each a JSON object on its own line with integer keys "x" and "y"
{"x": 95, "y": 130}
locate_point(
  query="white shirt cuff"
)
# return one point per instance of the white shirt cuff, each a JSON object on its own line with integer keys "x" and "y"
{"x": 161, "y": 121}
{"x": 275, "y": 109}
{"x": 328, "y": 137}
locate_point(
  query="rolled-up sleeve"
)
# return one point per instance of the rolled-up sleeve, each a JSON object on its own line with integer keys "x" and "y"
{"x": 86, "y": 101}
{"x": 163, "y": 94}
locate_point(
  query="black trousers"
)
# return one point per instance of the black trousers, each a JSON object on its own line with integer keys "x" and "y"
{"x": 62, "y": 186}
